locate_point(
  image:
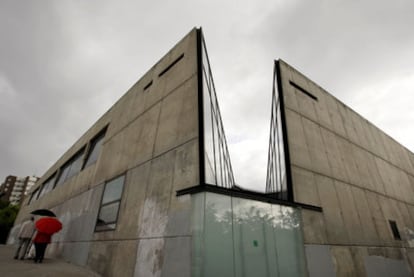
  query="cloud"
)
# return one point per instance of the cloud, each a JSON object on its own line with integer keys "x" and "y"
{"x": 389, "y": 105}
{"x": 64, "y": 63}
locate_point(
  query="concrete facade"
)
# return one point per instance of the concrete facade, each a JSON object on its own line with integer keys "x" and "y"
{"x": 361, "y": 177}
{"x": 176, "y": 215}
{"x": 152, "y": 139}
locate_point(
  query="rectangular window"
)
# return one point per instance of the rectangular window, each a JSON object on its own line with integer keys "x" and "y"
{"x": 34, "y": 196}
{"x": 394, "y": 229}
{"x": 76, "y": 164}
{"x": 95, "y": 148}
{"x": 171, "y": 65}
{"x": 71, "y": 168}
{"x": 299, "y": 88}
{"x": 48, "y": 185}
{"x": 111, "y": 199}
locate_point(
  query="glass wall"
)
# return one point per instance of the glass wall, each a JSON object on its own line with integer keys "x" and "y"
{"x": 276, "y": 182}
{"x": 218, "y": 170}
{"x": 240, "y": 237}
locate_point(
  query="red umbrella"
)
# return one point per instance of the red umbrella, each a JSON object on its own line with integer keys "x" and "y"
{"x": 48, "y": 225}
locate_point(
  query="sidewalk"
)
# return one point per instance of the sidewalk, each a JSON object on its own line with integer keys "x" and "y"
{"x": 10, "y": 267}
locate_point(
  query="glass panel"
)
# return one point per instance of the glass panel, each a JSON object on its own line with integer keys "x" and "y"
{"x": 47, "y": 186}
{"x": 240, "y": 237}
{"x": 108, "y": 214}
{"x": 276, "y": 183}
{"x": 33, "y": 196}
{"x": 198, "y": 204}
{"x": 218, "y": 247}
{"x": 111, "y": 226}
{"x": 208, "y": 137}
{"x": 254, "y": 243}
{"x": 289, "y": 243}
{"x": 76, "y": 165}
{"x": 113, "y": 190}
{"x": 217, "y": 153}
{"x": 63, "y": 174}
{"x": 218, "y": 169}
{"x": 95, "y": 150}
{"x": 281, "y": 156}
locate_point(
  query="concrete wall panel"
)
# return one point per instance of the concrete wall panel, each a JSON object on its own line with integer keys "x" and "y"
{"x": 305, "y": 190}
{"x": 316, "y": 147}
{"x": 374, "y": 173}
{"x": 367, "y": 222}
{"x": 132, "y": 202}
{"x": 383, "y": 267}
{"x": 113, "y": 258}
{"x": 344, "y": 264}
{"x": 314, "y": 231}
{"x": 149, "y": 258}
{"x": 345, "y": 149}
{"x": 322, "y": 111}
{"x": 140, "y": 138}
{"x": 185, "y": 175}
{"x": 305, "y": 103}
{"x": 297, "y": 142}
{"x": 358, "y": 255}
{"x": 335, "y": 225}
{"x": 336, "y": 118}
{"x": 319, "y": 261}
{"x": 349, "y": 213}
{"x": 178, "y": 122}
{"x": 381, "y": 224}
{"x": 154, "y": 215}
{"x": 177, "y": 257}
{"x": 336, "y": 162}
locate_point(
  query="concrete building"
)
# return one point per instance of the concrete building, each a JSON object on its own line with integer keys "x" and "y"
{"x": 149, "y": 190}
{"x": 14, "y": 188}
{"x": 330, "y": 157}
{"x": 6, "y": 188}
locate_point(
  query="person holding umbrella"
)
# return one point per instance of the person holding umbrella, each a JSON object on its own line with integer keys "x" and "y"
{"x": 25, "y": 235}
{"x": 45, "y": 227}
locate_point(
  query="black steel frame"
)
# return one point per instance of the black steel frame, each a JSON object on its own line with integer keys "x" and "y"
{"x": 276, "y": 174}
{"x": 230, "y": 188}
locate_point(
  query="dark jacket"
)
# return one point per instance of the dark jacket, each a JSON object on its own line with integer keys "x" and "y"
{"x": 42, "y": 238}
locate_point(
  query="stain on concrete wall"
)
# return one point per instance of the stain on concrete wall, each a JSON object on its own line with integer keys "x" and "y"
{"x": 319, "y": 261}
{"x": 383, "y": 267}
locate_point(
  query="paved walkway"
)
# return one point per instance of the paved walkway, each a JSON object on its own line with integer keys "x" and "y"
{"x": 10, "y": 267}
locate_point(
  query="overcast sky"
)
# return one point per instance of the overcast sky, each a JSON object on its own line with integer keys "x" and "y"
{"x": 63, "y": 63}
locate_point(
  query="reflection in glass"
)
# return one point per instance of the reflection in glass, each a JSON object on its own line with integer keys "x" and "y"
{"x": 95, "y": 149}
{"x": 289, "y": 242}
{"x": 108, "y": 213}
{"x": 105, "y": 227}
{"x": 63, "y": 174}
{"x": 254, "y": 242}
{"x": 198, "y": 204}
{"x": 76, "y": 164}
{"x": 71, "y": 168}
{"x": 240, "y": 237}
{"x": 111, "y": 199}
{"x": 113, "y": 190}
{"x": 218, "y": 230}
{"x": 47, "y": 186}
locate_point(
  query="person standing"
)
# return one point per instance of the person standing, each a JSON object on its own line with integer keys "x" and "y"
{"x": 25, "y": 234}
{"x": 41, "y": 240}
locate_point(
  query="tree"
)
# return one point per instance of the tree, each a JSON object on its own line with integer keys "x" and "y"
{"x": 8, "y": 214}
